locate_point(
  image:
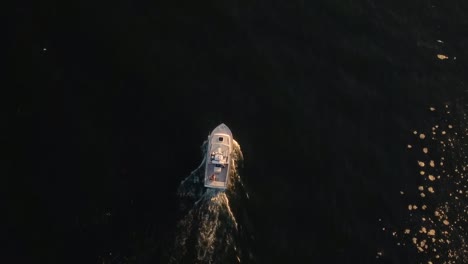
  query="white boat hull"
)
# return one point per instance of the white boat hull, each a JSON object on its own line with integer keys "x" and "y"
{"x": 218, "y": 157}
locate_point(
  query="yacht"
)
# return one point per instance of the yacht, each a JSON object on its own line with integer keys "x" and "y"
{"x": 218, "y": 157}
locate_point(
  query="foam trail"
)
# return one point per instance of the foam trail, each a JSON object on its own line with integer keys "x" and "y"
{"x": 208, "y": 229}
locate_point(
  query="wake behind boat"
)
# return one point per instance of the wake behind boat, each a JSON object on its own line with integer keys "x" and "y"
{"x": 218, "y": 157}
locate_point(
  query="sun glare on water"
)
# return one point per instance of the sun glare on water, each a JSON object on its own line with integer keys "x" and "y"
{"x": 438, "y": 219}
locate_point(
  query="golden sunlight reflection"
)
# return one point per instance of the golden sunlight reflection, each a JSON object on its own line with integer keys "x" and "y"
{"x": 439, "y": 231}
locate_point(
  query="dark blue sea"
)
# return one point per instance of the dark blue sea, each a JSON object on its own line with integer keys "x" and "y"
{"x": 349, "y": 120}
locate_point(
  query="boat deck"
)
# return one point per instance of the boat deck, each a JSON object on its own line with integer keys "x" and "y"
{"x": 221, "y": 178}
{"x": 218, "y": 152}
